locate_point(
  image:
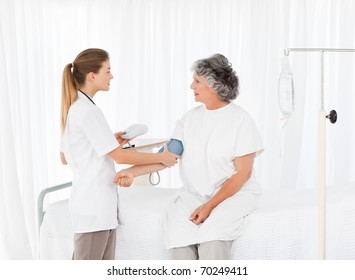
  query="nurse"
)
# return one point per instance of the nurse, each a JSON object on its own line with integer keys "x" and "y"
{"x": 90, "y": 148}
{"x": 219, "y": 190}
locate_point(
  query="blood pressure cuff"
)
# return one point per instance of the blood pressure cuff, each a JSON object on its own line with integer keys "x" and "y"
{"x": 174, "y": 146}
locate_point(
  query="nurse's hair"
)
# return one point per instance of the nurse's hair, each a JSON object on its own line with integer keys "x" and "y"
{"x": 220, "y": 76}
{"x": 74, "y": 76}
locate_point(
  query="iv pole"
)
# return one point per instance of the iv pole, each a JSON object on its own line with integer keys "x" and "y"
{"x": 322, "y": 147}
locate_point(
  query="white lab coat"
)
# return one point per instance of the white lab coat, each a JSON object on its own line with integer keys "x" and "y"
{"x": 85, "y": 142}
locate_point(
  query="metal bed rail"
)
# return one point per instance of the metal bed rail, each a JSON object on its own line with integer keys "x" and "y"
{"x": 42, "y": 195}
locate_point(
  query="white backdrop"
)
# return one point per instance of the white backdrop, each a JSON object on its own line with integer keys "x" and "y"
{"x": 152, "y": 44}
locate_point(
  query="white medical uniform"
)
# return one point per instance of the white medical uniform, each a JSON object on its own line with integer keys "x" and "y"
{"x": 85, "y": 143}
{"x": 212, "y": 139}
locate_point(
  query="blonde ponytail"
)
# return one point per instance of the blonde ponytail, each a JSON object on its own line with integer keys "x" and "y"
{"x": 69, "y": 93}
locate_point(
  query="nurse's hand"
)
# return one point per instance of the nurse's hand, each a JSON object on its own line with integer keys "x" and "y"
{"x": 201, "y": 214}
{"x": 119, "y": 139}
{"x": 169, "y": 159}
{"x": 124, "y": 178}
{"x": 63, "y": 159}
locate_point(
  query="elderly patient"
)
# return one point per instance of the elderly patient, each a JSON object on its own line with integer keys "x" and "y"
{"x": 219, "y": 190}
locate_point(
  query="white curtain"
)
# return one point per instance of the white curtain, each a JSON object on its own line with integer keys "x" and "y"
{"x": 152, "y": 44}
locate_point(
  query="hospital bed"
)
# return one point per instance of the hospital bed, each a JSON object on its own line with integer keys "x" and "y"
{"x": 284, "y": 226}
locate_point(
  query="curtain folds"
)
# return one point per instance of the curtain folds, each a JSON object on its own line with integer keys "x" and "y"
{"x": 152, "y": 45}
{"x": 14, "y": 234}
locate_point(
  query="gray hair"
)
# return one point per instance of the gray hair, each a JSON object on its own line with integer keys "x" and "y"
{"x": 220, "y": 76}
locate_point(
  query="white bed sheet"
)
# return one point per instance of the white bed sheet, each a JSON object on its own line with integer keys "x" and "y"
{"x": 284, "y": 226}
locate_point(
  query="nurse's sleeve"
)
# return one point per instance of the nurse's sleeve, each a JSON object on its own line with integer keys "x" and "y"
{"x": 97, "y": 130}
{"x": 248, "y": 139}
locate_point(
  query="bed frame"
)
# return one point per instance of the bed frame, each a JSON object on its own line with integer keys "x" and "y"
{"x": 41, "y": 197}
{"x": 284, "y": 226}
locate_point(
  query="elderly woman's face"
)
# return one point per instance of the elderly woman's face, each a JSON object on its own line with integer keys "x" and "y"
{"x": 202, "y": 91}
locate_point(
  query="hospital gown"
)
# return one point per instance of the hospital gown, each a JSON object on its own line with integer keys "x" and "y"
{"x": 212, "y": 139}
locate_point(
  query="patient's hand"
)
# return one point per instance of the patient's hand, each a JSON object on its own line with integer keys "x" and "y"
{"x": 120, "y": 140}
{"x": 169, "y": 159}
{"x": 201, "y": 214}
{"x": 124, "y": 178}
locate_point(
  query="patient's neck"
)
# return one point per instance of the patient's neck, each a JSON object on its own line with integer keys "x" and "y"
{"x": 216, "y": 104}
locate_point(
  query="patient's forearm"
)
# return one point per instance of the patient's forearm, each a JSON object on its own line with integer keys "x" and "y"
{"x": 229, "y": 188}
{"x": 139, "y": 170}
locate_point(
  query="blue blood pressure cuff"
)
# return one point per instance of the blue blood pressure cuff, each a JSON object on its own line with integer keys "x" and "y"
{"x": 174, "y": 146}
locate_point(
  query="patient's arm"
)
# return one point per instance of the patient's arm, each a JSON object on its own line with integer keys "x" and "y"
{"x": 125, "y": 177}
{"x": 243, "y": 166}
{"x": 129, "y": 156}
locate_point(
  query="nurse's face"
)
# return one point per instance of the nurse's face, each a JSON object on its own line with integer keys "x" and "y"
{"x": 203, "y": 93}
{"x": 103, "y": 77}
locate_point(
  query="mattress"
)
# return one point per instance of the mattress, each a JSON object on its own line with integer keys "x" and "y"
{"x": 284, "y": 226}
